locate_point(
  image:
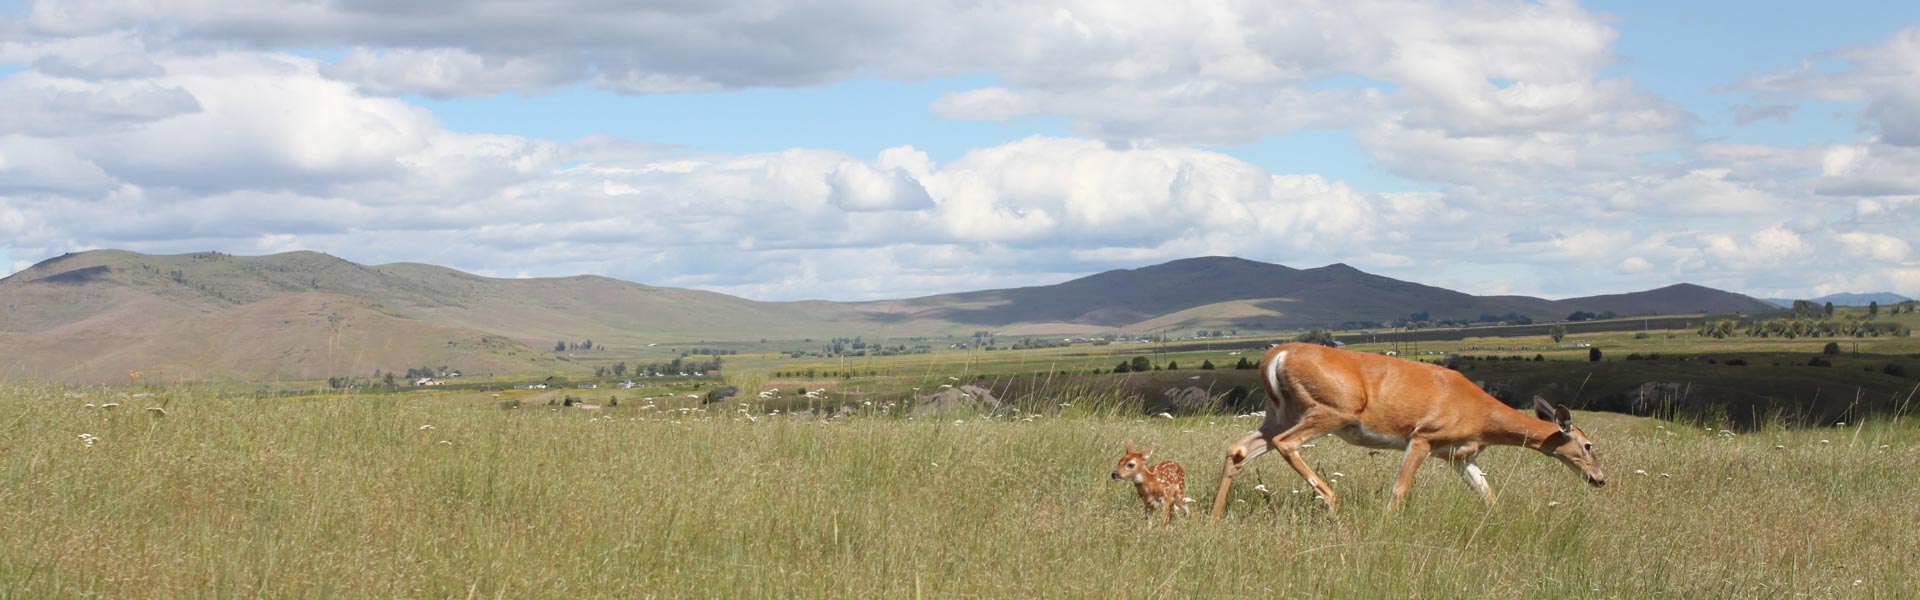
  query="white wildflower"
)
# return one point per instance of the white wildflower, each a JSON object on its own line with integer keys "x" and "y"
{"x": 1553, "y": 504}
{"x": 426, "y": 427}
{"x": 1165, "y": 415}
{"x": 1339, "y": 474}
{"x": 1260, "y": 488}
{"x": 1825, "y": 442}
{"x": 1639, "y": 472}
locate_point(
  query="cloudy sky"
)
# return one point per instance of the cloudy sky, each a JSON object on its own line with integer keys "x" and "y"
{"x": 857, "y": 149}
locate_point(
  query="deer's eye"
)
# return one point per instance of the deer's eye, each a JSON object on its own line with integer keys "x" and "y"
{"x": 1129, "y": 465}
{"x": 1589, "y": 446}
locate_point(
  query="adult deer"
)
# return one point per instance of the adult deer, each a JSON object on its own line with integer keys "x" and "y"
{"x": 1387, "y": 403}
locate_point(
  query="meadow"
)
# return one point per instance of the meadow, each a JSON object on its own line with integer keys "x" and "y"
{"x": 454, "y": 495}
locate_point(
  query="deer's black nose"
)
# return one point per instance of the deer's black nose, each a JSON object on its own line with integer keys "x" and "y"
{"x": 1116, "y": 474}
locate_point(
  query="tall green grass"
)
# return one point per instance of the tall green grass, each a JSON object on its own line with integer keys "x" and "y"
{"x": 352, "y": 497}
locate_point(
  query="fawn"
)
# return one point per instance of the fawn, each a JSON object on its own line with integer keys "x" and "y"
{"x": 1163, "y": 487}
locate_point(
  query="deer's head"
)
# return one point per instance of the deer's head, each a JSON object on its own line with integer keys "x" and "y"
{"x": 1133, "y": 465}
{"x": 1570, "y": 444}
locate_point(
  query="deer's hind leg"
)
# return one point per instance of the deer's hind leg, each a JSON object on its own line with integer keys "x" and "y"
{"x": 1313, "y": 424}
{"x": 1238, "y": 454}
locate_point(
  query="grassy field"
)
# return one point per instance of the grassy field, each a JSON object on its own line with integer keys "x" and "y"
{"x": 450, "y": 495}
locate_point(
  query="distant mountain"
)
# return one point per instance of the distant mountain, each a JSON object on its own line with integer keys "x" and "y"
{"x": 1239, "y": 293}
{"x": 1847, "y": 299}
{"x": 92, "y": 316}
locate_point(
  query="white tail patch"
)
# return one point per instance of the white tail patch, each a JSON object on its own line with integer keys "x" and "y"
{"x": 1276, "y": 412}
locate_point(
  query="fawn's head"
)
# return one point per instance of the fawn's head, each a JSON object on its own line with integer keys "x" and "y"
{"x": 1570, "y": 444}
{"x": 1133, "y": 465}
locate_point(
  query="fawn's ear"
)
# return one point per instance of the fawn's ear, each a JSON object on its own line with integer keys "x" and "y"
{"x": 1129, "y": 446}
{"x": 1563, "y": 417}
{"x": 1148, "y": 454}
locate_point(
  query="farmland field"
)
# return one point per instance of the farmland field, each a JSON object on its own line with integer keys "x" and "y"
{"x": 454, "y": 495}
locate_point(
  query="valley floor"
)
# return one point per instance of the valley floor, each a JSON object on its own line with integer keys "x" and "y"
{"x": 403, "y": 496}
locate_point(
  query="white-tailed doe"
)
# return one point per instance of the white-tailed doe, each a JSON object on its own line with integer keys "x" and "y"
{"x": 1163, "y": 487}
{"x": 1388, "y": 403}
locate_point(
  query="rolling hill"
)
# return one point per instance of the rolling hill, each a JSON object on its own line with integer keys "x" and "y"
{"x": 92, "y": 316}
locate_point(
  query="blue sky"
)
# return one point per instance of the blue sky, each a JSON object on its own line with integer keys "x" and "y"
{"x": 854, "y": 150}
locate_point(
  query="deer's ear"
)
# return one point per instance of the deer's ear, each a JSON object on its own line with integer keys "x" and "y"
{"x": 1148, "y": 454}
{"x": 1129, "y": 446}
{"x": 1563, "y": 417}
{"x": 1543, "y": 409}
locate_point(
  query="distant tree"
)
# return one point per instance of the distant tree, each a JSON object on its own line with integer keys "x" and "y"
{"x": 1173, "y": 365}
{"x": 587, "y": 345}
{"x": 1206, "y": 365}
{"x": 1832, "y": 349}
{"x": 1829, "y": 309}
{"x": 1539, "y": 358}
{"x": 1608, "y": 315}
{"x": 1593, "y": 355}
{"x": 1123, "y": 367}
{"x": 1557, "y": 332}
{"x": 389, "y": 379}
{"x": 1141, "y": 364}
{"x": 1873, "y": 308}
{"x": 1316, "y": 336}
{"x": 560, "y": 346}
{"x": 1243, "y": 364}
{"x": 1581, "y": 315}
{"x": 1803, "y": 308}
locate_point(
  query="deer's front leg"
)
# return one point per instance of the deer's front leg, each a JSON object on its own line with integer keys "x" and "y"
{"x": 1417, "y": 450}
{"x": 1469, "y": 469}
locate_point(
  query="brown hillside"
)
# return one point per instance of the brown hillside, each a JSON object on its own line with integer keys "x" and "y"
{"x": 295, "y": 336}
{"x": 93, "y": 315}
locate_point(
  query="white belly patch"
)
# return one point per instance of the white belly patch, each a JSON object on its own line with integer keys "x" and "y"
{"x": 1359, "y": 435}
